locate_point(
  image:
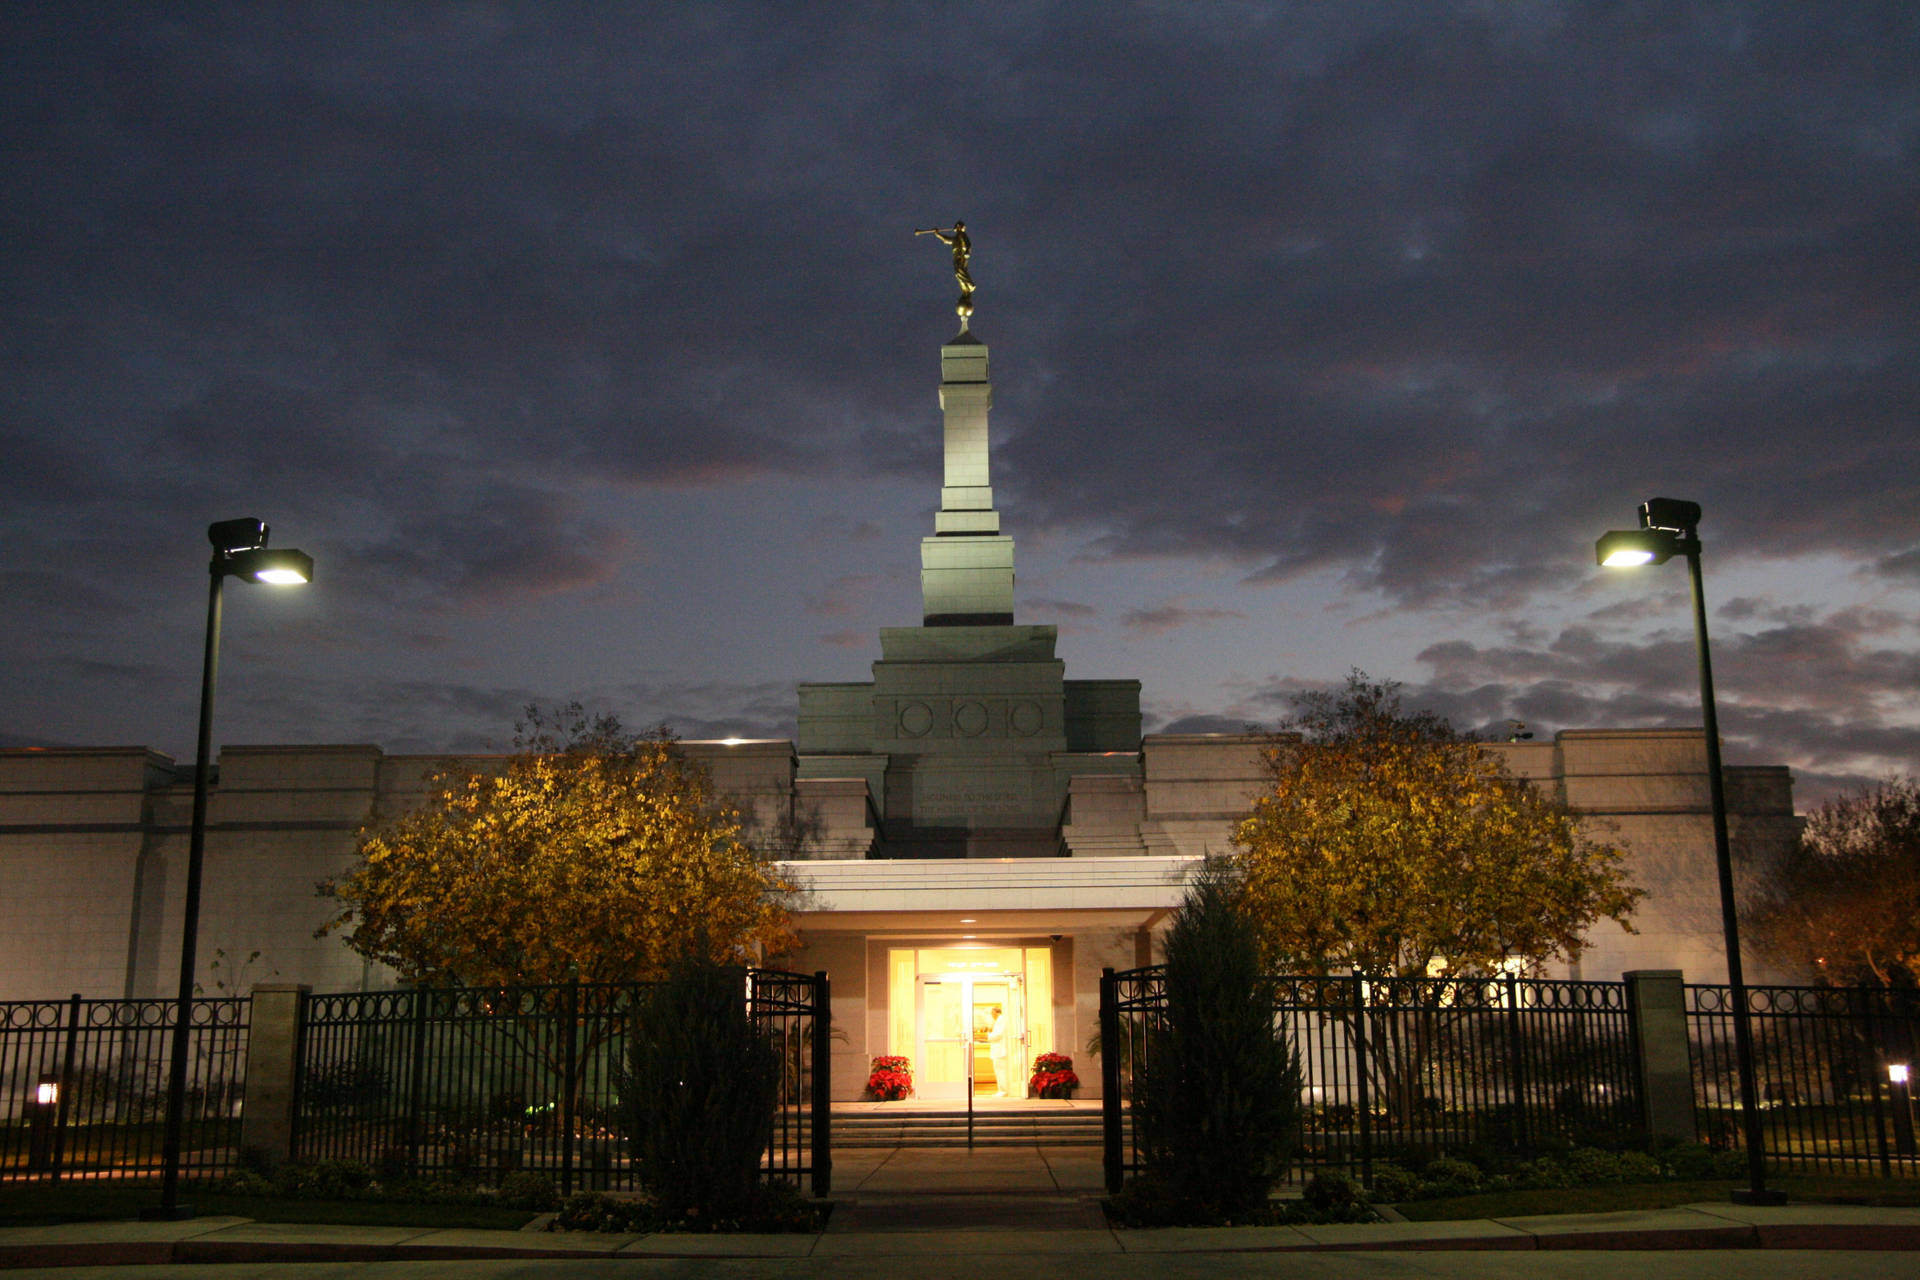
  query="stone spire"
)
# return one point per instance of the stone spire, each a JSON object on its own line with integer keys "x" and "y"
{"x": 966, "y": 568}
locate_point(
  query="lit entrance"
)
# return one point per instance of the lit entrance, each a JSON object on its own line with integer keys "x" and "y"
{"x": 971, "y": 1028}
{"x": 942, "y": 1017}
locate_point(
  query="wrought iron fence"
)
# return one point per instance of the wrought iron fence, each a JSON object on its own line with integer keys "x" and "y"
{"x": 1410, "y": 1069}
{"x": 83, "y": 1086}
{"x": 482, "y": 1082}
{"x": 1826, "y": 1097}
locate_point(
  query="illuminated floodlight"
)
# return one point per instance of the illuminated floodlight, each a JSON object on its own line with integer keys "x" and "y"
{"x": 287, "y": 568}
{"x": 1631, "y": 548}
{"x": 1897, "y": 1072}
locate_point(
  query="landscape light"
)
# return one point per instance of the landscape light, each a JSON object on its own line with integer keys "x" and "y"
{"x": 1897, "y": 1072}
{"x": 47, "y": 1092}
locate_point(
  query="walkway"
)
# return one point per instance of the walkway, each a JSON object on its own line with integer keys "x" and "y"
{"x": 994, "y": 1189}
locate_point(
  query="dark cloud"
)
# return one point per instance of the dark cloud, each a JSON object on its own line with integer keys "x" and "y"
{"x": 1050, "y": 607}
{"x": 1905, "y": 565}
{"x": 1821, "y": 694}
{"x": 1750, "y": 608}
{"x": 1410, "y": 299}
{"x": 1170, "y": 617}
{"x": 1209, "y": 724}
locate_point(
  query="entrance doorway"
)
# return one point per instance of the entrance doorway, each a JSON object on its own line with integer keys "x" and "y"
{"x": 972, "y": 1029}
{"x": 941, "y": 1016}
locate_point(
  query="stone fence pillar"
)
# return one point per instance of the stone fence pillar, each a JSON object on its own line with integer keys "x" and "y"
{"x": 1657, "y": 1004}
{"x": 273, "y": 1055}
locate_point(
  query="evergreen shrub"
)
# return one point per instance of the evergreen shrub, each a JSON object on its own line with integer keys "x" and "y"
{"x": 1217, "y": 1093}
{"x": 699, "y": 1092}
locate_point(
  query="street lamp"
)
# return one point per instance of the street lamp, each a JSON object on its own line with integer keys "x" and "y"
{"x": 1670, "y": 527}
{"x": 239, "y": 551}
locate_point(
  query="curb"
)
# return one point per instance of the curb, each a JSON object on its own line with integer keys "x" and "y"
{"x": 1864, "y": 1237}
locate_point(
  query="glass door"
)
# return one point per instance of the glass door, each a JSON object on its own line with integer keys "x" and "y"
{"x": 999, "y": 1038}
{"x": 945, "y": 1016}
{"x": 972, "y": 1027}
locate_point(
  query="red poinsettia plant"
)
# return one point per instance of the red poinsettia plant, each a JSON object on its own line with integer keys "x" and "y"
{"x": 891, "y": 1079}
{"x": 1053, "y": 1076}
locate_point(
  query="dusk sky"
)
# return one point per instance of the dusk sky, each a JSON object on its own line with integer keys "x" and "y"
{"x": 588, "y": 351}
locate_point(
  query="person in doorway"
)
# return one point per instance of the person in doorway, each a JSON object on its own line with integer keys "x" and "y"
{"x": 997, "y": 1051}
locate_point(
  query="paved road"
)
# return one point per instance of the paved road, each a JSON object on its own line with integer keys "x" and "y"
{"x": 963, "y": 1261}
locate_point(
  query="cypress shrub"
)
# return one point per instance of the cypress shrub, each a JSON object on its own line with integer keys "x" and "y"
{"x": 1217, "y": 1093}
{"x": 698, "y": 1094}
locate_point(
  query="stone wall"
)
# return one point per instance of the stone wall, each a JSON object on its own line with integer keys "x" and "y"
{"x": 93, "y": 842}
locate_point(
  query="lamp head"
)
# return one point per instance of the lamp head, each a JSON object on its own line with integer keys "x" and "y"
{"x": 240, "y": 551}
{"x": 229, "y": 536}
{"x": 1675, "y": 514}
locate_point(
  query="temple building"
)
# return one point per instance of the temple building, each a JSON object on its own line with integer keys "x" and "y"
{"x": 975, "y": 830}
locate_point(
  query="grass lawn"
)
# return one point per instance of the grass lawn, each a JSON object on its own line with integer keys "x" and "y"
{"x": 1805, "y": 1188}
{"x": 41, "y": 1204}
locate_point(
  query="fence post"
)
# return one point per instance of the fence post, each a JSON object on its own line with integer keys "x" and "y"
{"x": 570, "y": 1074}
{"x": 1110, "y": 1083}
{"x": 273, "y": 1061}
{"x": 1657, "y": 1012}
{"x": 65, "y": 1105}
{"x": 1364, "y": 1110}
{"x": 1516, "y": 1049}
{"x": 822, "y": 1084}
{"x": 416, "y": 1076}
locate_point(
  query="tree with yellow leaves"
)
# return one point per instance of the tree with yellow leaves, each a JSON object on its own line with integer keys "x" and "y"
{"x": 1392, "y": 846}
{"x": 594, "y": 854}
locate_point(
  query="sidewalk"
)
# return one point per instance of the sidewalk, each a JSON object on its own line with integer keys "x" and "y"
{"x": 206, "y": 1241}
{"x": 921, "y": 1204}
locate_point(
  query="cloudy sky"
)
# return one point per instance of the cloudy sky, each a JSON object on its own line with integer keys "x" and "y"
{"x": 587, "y": 349}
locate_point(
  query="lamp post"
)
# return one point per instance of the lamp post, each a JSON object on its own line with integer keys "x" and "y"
{"x": 1670, "y": 527}
{"x": 239, "y": 551}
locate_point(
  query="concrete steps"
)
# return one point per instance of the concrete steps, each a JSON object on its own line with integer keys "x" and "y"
{"x": 998, "y": 1127}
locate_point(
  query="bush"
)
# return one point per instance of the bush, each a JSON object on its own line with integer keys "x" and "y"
{"x": 245, "y": 1182}
{"x": 1332, "y": 1192}
{"x": 323, "y": 1180}
{"x": 1392, "y": 1184}
{"x": 1589, "y": 1166}
{"x": 775, "y": 1207}
{"x": 1694, "y": 1161}
{"x": 699, "y": 1093}
{"x": 1217, "y": 1093}
{"x": 531, "y": 1191}
{"x": 1448, "y": 1176}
